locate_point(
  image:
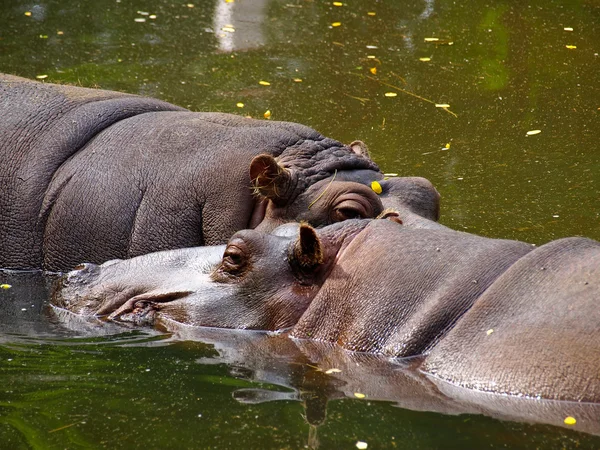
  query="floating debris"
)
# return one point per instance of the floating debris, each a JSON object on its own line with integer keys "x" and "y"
{"x": 330, "y": 371}
{"x": 568, "y": 29}
{"x": 190, "y": 5}
{"x": 373, "y": 70}
{"x": 371, "y": 13}
{"x": 228, "y": 29}
{"x": 361, "y": 445}
{"x": 152, "y": 16}
{"x": 490, "y": 331}
{"x": 533, "y": 132}
{"x": 371, "y": 56}
{"x": 571, "y": 47}
{"x": 28, "y": 13}
{"x": 143, "y": 13}
{"x": 41, "y": 77}
{"x": 432, "y": 39}
{"x": 264, "y": 83}
{"x": 60, "y": 33}
{"x": 570, "y": 420}
{"x": 442, "y": 105}
{"x": 391, "y": 94}
{"x": 139, "y": 19}
{"x": 390, "y": 174}
{"x": 371, "y": 46}
{"x": 5, "y": 286}
{"x": 267, "y": 114}
{"x": 359, "y": 395}
{"x": 297, "y": 80}
{"x": 239, "y": 104}
{"x": 336, "y": 24}
{"x": 376, "y": 187}
{"x": 338, "y": 4}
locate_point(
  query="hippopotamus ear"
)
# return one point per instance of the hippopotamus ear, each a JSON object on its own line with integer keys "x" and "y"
{"x": 360, "y": 148}
{"x": 308, "y": 250}
{"x": 269, "y": 178}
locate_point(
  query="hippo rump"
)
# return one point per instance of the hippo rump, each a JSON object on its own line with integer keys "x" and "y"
{"x": 487, "y": 314}
{"x": 93, "y": 175}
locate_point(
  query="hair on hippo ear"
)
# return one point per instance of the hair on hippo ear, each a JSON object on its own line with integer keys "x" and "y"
{"x": 308, "y": 250}
{"x": 360, "y": 148}
{"x": 269, "y": 179}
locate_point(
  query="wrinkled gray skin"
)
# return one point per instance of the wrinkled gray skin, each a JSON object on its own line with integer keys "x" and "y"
{"x": 494, "y": 315}
{"x": 93, "y": 175}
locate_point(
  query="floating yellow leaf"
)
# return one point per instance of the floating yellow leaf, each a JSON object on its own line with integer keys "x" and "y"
{"x": 432, "y": 39}
{"x": 264, "y": 83}
{"x": 338, "y": 4}
{"x": 228, "y": 29}
{"x": 360, "y": 445}
{"x": 490, "y": 331}
{"x": 267, "y": 114}
{"x": 336, "y": 24}
{"x": 569, "y": 420}
{"x": 298, "y": 80}
{"x": 5, "y": 286}
{"x": 568, "y": 29}
{"x": 370, "y": 13}
{"x": 330, "y": 371}
{"x": 28, "y": 13}
{"x": 442, "y": 105}
{"x": 373, "y": 70}
{"x": 571, "y": 47}
{"x": 359, "y": 395}
{"x": 532, "y": 132}
{"x": 376, "y": 187}
{"x": 390, "y": 94}
{"x": 425, "y": 59}
{"x": 41, "y": 77}
{"x": 447, "y": 146}
{"x": 239, "y": 104}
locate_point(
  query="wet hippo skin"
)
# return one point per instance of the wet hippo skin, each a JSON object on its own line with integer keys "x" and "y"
{"x": 92, "y": 175}
{"x": 488, "y": 314}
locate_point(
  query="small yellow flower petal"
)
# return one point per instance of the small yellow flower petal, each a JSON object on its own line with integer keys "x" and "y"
{"x": 370, "y": 13}
{"x": 570, "y": 420}
{"x": 447, "y": 146}
{"x": 330, "y": 371}
{"x": 336, "y": 24}
{"x": 442, "y": 105}
{"x": 190, "y": 5}
{"x": 228, "y": 29}
{"x": 425, "y": 59}
{"x": 432, "y": 39}
{"x": 390, "y": 174}
{"x": 391, "y": 94}
{"x": 360, "y": 445}
{"x": 571, "y": 47}
{"x": 376, "y": 187}
{"x": 28, "y": 13}
{"x": 490, "y": 331}
{"x": 264, "y": 83}
{"x": 338, "y": 4}
{"x": 532, "y": 132}
{"x": 297, "y": 80}
{"x": 359, "y": 395}
{"x": 239, "y": 104}
{"x": 568, "y": 29}
{"x": 41, "y": 77}
{"x": 5, "y": 286}
{"x": 267, "y": 114}
{"x": 373, "y": 70}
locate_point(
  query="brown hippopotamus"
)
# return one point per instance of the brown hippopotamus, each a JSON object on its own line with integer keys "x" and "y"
{"x": 495, "y": 315}
{"x": 92, "y": 175}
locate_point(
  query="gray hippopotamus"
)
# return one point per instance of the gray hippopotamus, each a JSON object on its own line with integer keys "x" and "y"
{"x": 92, "y": 175}
{"x": 495, "y": 315}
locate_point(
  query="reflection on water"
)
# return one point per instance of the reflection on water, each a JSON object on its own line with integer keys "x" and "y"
{"x": 504, "y": 68}
{"x": 69, "y": 382}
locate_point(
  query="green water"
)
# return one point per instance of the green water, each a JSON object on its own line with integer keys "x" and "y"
{"x": 504, "y": 69}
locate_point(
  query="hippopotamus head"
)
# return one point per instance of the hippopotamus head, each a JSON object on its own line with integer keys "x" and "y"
{"x": 325, "y": 184}
{"x": 257, "y": 281}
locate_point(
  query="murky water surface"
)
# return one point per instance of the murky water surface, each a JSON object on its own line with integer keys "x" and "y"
{"x": 506, "y": 69}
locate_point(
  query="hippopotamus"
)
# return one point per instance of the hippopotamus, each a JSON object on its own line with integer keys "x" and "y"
{"x": 93, "y": 175}
{"x": 489, "y": 314}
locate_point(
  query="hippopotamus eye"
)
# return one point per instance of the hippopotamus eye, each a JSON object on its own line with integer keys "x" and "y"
{"x": 341, "y": 214}
{"x": 234, "y": 260}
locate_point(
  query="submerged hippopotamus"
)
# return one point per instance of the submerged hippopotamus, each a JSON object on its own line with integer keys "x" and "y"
{"x": 93, "y": 175}
{"x": 495, "y": 315}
